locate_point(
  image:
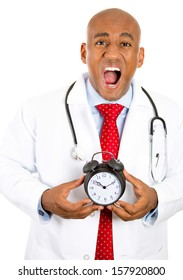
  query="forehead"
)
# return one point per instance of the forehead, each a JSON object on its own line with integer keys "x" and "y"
{"x": 113, "y": 24}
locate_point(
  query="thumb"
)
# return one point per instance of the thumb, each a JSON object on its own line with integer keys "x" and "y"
{"x": 137, "y": 184}
{"x": 75, "y": 183}
{"x": 130, "y": 178}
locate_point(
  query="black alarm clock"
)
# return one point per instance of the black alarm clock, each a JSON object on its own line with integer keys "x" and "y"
{"x": 104, "y": 182}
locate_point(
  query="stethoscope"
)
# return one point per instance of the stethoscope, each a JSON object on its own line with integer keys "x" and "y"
{"x": 158, "y": 142}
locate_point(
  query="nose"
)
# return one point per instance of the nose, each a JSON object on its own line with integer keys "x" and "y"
{"x": 112, "y": 51}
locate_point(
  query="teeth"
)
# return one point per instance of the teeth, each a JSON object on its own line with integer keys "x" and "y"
{"x": 112, "y": 69}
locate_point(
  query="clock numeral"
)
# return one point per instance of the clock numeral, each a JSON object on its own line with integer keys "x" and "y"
{"x": 105, "y": 199}
{"x": 98, "y": 197}
{"x": 111, "y": 197}
{"x": 103, "y": 175}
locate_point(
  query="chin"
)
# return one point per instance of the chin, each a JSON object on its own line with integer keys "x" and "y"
{"x": 110, "y": 94}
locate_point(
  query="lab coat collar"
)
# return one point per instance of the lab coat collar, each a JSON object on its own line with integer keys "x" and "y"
{"x": 139, "y": 97}
{"x": 78, "y": 93}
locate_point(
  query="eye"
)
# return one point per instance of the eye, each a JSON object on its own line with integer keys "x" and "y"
{"x": 125, "y": 44}
{"x": 101, "y": 43}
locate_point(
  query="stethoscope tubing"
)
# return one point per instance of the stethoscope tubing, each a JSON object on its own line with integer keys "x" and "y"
{"x": 156, "y": 117}
{"x": 151, "y": 132}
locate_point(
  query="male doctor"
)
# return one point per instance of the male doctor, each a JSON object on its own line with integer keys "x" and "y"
{"x": 39, "y": 175}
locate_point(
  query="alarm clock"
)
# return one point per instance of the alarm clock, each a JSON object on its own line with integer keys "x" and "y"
{"x": 104, "y": 182}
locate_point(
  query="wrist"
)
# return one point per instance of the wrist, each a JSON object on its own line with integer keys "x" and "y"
{"x": 45, "y": 201}
{"x": 44, "y": 215}
{"x": 154, "y": 199}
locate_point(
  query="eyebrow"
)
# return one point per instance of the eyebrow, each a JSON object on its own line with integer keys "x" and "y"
{"x": 127, "y": 34}
{"x": 105, "y": 34}
{"x": 102, "y": 34}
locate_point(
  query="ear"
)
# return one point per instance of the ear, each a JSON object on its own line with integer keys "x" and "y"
{"x": 83, "y": 53}
{"x": 141, "y": 57}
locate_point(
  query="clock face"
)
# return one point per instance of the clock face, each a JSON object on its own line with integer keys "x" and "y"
{"x": 104, "y": 188}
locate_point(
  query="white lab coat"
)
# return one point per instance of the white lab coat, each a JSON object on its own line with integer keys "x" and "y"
{"x": 40, "y": 140}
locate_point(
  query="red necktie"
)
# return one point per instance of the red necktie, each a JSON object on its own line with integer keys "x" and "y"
{"x": 109, "y": 141}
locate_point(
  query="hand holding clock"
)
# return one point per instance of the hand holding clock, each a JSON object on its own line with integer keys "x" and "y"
{"x": 147, "y": 200}
{"x": 55, "y": 201}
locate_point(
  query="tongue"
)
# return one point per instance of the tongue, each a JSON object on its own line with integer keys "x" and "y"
{"x": 110, "y": 77}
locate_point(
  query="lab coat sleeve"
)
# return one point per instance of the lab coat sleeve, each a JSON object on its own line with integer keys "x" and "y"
{"x": 18, "y": 180}
{"x": 170, "y": 190}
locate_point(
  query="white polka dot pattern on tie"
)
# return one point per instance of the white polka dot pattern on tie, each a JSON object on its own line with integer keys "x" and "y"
{"x": 104, "y": 247}
{"x": 109, "y": 140}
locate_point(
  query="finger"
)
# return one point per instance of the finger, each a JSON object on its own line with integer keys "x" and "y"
{"x": 82, "y": 210}
{"x": 75, "y": 183}
{"x": 135, "y": 208}
{"x": 89, "y": 209}
{"x": 132, "y": 179}
{"x": 130, "y": 211}
{"x": 87, "y": 202}
{"x": 137, "y": 184}
{"x": 128, "y": 208}
{"x": 83, "y": 202}
{"x": 70, "y": 207}
{"x": 120, "y": 212}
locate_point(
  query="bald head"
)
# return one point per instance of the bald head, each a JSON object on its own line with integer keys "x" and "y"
{"x": 115, "y": 17}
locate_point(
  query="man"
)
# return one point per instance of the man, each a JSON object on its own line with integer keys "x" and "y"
{"x": 64, "y": 221}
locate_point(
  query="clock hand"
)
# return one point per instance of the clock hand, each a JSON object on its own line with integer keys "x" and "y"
{"x": 111, "y": 183}
{"x": 98, "y": 184}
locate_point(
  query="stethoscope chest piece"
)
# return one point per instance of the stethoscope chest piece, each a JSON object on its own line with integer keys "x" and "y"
{"x": 78, "y": 153}
{"x": 158, "y": 150}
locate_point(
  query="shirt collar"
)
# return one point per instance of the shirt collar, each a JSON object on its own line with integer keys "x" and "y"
{"x": 95, "y": 99}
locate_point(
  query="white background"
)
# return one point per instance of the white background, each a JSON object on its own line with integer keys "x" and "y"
{"x": 40, "y": 51}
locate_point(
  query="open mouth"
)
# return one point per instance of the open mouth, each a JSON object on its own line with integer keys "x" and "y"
{"x": 112, "y": 76}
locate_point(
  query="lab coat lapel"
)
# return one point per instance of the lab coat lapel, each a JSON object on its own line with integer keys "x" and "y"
{"x": 134, "y": 153}
{"x": 84, "y": 125}
{"x": 135, "y": 137}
